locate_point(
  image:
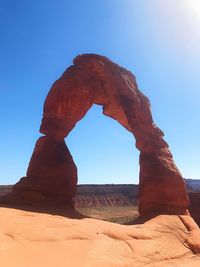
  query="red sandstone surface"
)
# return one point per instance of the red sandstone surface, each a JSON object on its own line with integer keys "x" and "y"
{"x": 35, "y": 239}
{"x": 195, "y": 206}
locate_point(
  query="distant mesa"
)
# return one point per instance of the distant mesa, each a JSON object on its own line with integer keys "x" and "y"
{"x": 94, "y": 79}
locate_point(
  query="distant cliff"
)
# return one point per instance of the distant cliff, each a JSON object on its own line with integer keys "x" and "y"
{"x": 96, "y": 196}
{"x": 106, "y": 195}
{"x": 192, "y": 185}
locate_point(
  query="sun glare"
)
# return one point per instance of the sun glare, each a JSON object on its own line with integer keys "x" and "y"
{"x": 193, "y": 6}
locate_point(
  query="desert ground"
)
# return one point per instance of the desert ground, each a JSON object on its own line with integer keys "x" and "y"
{"x": 38, "y": 239}
{"x": 101, "y": 236}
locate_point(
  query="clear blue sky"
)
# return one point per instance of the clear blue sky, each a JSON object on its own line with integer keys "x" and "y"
{"x": 157, "y": 40}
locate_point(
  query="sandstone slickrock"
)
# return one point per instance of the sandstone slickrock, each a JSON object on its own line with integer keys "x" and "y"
{"x": 94, "y": 79}
{"x": 35, "y": 239}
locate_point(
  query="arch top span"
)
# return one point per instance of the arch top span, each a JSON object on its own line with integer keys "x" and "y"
{"x": 94, "y": 79}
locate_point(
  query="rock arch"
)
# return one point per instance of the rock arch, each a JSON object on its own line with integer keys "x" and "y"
{"x": 94, "y": 79}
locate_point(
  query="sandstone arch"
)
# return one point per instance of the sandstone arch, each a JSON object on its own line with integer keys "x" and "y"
{"x": 94, "y": 79}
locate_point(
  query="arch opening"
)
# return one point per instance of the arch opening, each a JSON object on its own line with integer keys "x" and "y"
{"x": 103, "y": 150}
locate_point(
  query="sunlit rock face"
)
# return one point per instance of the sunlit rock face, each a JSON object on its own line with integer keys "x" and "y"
{"x": 94, "y": 79}
{"x": 51, "y": 169}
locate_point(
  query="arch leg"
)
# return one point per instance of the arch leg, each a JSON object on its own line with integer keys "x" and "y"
{"x": 51, "y": 172}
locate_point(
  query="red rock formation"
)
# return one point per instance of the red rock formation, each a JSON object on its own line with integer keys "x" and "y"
{"x": 94, "y": 79}
{"x": 195, "y": 206}
{"x": 51, "y": 169}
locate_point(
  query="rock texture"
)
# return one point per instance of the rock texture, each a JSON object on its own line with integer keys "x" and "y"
{"x": 51, "y": 169}
{"x": 35, "y": 239}
{"x": 195, "y": 206}
{"x": 94, "y": 79}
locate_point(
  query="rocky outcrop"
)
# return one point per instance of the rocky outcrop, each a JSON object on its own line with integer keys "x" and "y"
{"x": 94, "y": 79}
{"x": 195, "y": 206}
{"x": 51, "y": 170}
